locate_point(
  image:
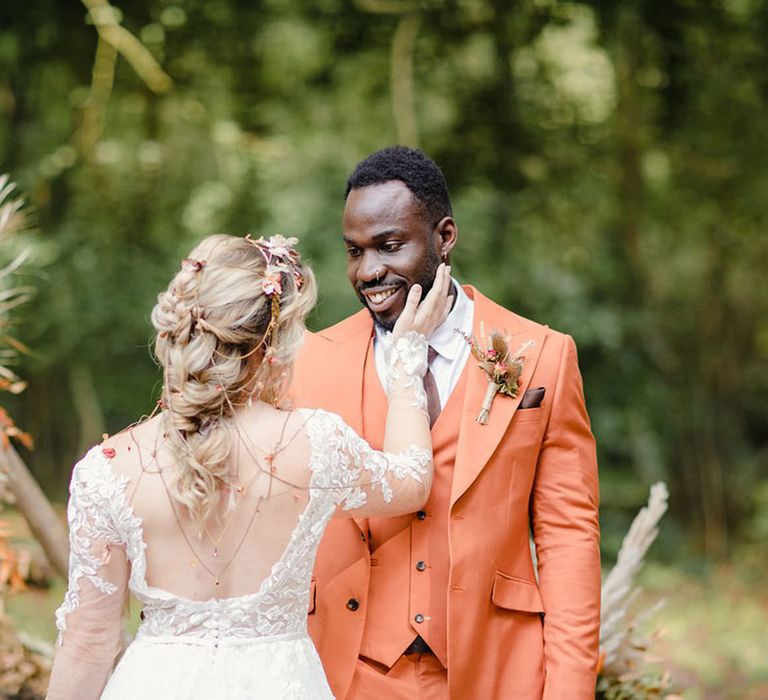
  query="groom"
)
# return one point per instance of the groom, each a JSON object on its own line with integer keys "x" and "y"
{"x": 447, "y": 602}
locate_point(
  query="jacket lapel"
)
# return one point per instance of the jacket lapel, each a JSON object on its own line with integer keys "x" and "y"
{"x": 350, "y": 340}
{"x": 477, "y": 442}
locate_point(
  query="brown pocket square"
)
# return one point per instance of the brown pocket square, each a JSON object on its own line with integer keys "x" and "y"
{"x": 533, "y": 398}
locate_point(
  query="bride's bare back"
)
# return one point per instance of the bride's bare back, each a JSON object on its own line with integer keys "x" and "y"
{"x": 238, "y": 547}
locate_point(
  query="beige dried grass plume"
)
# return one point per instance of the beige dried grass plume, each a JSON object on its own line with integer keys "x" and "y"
{"x": 13, "y": 221}
{"x": 624, "y": 650}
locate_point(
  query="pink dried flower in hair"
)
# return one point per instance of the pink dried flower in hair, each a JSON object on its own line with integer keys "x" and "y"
{"x": 280, "y": 246}
{"x": 272, "y": 284}
{"x": 192, "y": 265}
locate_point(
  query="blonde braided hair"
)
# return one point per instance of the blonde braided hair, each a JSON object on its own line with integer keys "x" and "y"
{"x": 221, "y": 340}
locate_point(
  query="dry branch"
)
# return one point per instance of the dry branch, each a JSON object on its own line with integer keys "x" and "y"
{"x": 105, "y": 19}
{"x": 387, "y": 7}
{"x": 403, "y": 102}
{"x": 45, "y": 524}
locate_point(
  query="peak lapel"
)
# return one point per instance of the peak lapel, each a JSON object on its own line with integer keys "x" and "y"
{"x": 343, "y": 375}
{"x": 477, "y": 442}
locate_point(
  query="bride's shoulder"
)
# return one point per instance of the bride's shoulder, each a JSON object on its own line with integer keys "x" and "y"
{"x": 118, "y": 456}
{"x": 319, "y": 418}
{"x": 328, "y": 430}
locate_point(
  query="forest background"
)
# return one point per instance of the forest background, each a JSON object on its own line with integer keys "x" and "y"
{"x": 607, "y": 165}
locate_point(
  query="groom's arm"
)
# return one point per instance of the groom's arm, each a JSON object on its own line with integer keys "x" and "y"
{"x": 564, "y": 511}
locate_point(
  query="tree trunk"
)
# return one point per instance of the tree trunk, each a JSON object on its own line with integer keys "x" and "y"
{"x": 31, "y": 502}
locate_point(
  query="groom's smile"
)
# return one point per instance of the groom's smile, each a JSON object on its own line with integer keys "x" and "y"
{"x": 390, "y": 247}
{"x": 382, "y": 300}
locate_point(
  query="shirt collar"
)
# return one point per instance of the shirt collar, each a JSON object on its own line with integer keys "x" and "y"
{"x": 444, "y": 338}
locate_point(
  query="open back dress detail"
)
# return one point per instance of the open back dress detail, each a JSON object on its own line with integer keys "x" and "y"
{"x": 249, "y": 646}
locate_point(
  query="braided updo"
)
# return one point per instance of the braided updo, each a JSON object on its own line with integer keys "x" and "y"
{"x": 220, "y": 345}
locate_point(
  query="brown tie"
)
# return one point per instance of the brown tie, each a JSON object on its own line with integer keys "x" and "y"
{"x": 430, "y": 387}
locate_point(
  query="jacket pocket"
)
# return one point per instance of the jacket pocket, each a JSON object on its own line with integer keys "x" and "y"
{"x": 513, "y": 593}
{"x": 312, "y": 593}
{"x": 523, "y": 415}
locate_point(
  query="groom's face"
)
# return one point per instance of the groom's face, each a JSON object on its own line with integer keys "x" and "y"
{"x": 390, "y": 247}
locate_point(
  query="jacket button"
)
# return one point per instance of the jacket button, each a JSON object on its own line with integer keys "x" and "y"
{"x": 420, "y": 566}
{"x": 419, "y": 618}
{"x": 421, "y": 515}
{"x": 353, "y": 604}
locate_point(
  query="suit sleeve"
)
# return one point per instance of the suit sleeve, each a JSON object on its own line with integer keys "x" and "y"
{"x": 564, "y": 510}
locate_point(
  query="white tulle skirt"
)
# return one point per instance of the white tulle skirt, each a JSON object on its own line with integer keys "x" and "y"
{"x": 182, "y": 668}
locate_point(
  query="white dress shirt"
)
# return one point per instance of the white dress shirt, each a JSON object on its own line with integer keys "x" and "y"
{"x": 452, "y": 349}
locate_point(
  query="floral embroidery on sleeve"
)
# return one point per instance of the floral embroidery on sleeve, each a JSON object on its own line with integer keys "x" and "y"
{"x": 341, "y": 458}
{"x": 94, "y": 491}
{"x": 411, "y": 352}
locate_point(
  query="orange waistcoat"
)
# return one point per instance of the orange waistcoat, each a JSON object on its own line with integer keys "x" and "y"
{"x": 410, "y": 558}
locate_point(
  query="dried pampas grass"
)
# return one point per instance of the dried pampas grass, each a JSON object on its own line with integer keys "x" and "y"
{"x": 624, "y": 653}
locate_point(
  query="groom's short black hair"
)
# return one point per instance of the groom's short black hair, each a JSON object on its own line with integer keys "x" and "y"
{"x": 420, "y": 174}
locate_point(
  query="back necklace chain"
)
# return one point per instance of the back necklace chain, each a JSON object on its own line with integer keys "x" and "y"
{"x": 270, "y": 471}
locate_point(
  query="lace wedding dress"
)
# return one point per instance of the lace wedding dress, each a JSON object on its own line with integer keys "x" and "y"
{"x": 248, "y": 646}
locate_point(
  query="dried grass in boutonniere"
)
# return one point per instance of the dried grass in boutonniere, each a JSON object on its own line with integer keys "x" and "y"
{"x": 502, "y": 367}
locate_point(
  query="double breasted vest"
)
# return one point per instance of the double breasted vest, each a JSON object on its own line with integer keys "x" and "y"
{"x": 410, "y": 559}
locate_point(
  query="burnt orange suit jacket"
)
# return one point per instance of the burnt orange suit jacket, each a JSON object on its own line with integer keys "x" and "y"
{"x": 512, "y": 633}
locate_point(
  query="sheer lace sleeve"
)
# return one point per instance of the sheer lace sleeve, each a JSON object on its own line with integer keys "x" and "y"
{"x": 90, "y": 618}
{"x": 367, "y": 482}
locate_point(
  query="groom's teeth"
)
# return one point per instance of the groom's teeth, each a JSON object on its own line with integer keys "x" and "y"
{"x": 381, "y": 296}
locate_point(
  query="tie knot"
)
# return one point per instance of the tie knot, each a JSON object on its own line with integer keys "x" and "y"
{"x": 431, "y": 354}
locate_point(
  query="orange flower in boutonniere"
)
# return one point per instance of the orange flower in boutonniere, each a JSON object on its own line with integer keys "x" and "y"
{"x": 502, "y": 367}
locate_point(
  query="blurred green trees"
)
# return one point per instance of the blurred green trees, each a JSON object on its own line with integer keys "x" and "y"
{"x": 612, "y": 155}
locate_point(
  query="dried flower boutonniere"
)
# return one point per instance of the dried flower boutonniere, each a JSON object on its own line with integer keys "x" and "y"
{"x": 502, "y": 367}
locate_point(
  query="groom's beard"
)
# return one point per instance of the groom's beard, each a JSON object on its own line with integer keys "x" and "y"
{"x": 426, "y": 279}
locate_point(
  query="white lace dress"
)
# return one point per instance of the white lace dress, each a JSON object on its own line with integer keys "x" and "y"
{"x": 252, "y": 646}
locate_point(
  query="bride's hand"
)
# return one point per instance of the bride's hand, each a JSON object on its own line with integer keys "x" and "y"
{"x": 425, "y": 317}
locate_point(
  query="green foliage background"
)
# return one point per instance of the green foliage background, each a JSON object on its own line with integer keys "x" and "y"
{"x": 606, "y": 162}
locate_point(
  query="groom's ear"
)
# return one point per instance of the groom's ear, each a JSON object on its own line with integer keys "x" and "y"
{"x": 448, "y": 233}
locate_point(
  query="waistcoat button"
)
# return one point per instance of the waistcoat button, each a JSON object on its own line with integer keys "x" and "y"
{"x": 421, "y": 515}
{"x": 419, "y": 618}
{"x": 353, "y": 604}
{"x": 420, "y": 566}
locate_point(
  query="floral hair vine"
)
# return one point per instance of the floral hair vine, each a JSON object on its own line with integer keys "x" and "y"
{"x": 281, "y": 258}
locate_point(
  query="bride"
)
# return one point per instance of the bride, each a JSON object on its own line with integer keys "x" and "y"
{"x": 210, "y": 511}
